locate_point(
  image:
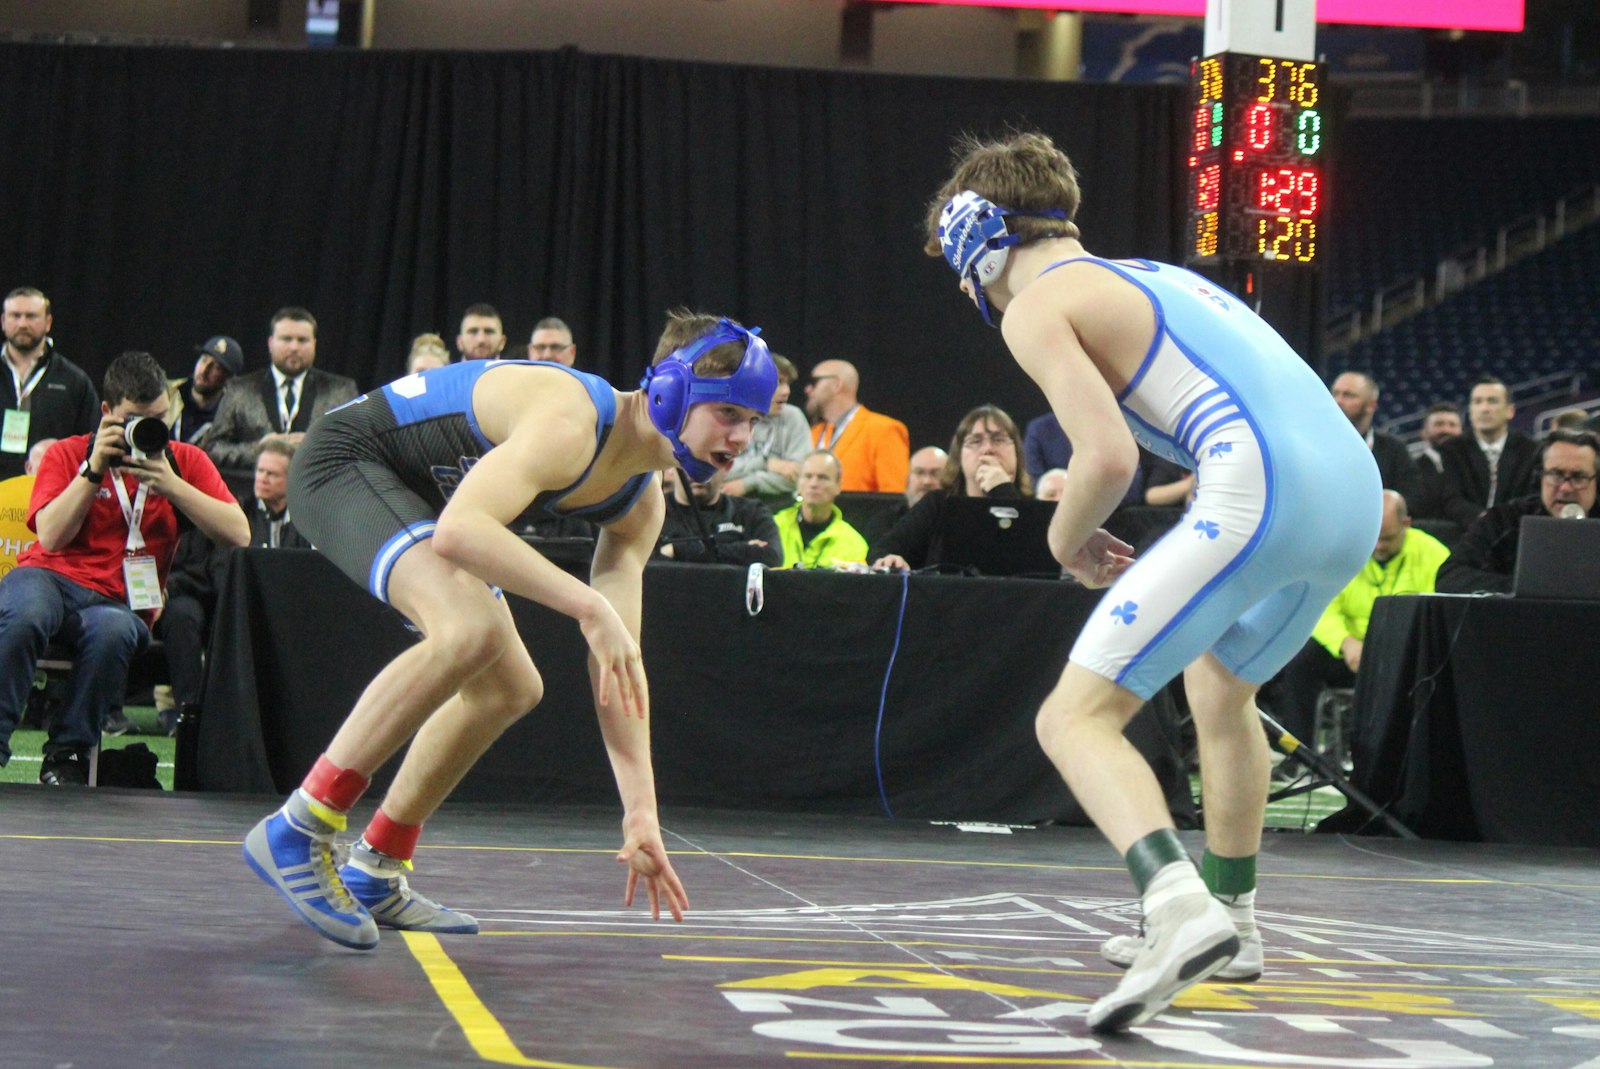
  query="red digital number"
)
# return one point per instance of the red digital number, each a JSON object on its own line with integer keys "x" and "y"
{"x": 1259, "y": 134}
{"x": 1287, "y": 191}
{"x": 1208, "y": 193}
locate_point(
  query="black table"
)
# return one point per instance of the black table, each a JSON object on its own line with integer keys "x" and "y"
{"x": 777, "y": 711}
{"x": 1475, "y": 719}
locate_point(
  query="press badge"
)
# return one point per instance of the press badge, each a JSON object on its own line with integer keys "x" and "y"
{"x": 144, "y": 585}
{"x": 14, "y": 432}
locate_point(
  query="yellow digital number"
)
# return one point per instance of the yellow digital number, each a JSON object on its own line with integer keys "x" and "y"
{"x": 1286, "y": 238}
{"x": 1210, "y": 80}
{"x": 1205, "y": 237}
{"x": 1302, "y": 86}
{"x": 1268, "y": 80}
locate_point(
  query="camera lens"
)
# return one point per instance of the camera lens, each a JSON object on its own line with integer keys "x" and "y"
{"x": 145, "y": 436}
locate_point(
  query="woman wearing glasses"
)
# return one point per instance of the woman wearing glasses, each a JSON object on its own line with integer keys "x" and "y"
{"x": 983, "y": 462}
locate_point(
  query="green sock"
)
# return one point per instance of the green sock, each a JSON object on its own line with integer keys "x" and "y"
{"x": 1153, "y": 853}
{"x": 1228, "y": 875}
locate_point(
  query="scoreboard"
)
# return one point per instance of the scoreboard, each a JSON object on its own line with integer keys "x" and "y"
{"x": 1254, "y": 150}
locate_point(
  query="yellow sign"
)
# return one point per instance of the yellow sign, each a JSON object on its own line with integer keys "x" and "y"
{"x": 14, "y": 533}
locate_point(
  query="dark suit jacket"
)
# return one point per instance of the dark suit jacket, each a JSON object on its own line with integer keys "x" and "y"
{"x": 1466, "y": 474}
{"x": 249, "y": 412}
{"x": 1396, "y": 468}
{"x": 1430, "y": 493}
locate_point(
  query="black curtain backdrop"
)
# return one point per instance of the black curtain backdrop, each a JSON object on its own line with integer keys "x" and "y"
{"x": 160, "y": 196}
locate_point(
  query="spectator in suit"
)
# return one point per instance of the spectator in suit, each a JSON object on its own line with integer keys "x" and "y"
{"x": 1405, "y": 561}
{"x": 552, "y": 341}
{"x": 283, "y": 399}
{"x": 483, "y": 334}
{"x": 192, "y": 403}
{"x": 766, "y": 470}
{"x": 1356, "y": 394}
{"x": 1494, "y": 463}
{"x": 741, "y": 529}
{"x": 813, "y": 531}
{"x": 1486, "y": 557}
{"x": 271, "y": 526}
{"x": 73, "y": 583}
{"x": 45, "y": 395}
{"x": 1440, "y": 423}
{"x": 427, "y": 351}
{"x": 199, "y": 568}
{"x": 874, "y": 449}
{"x": 983, "y": 462}
{"x": 927, "y": 468}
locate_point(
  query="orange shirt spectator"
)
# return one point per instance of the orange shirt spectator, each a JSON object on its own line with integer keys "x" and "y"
{"x": 873, "y": 449}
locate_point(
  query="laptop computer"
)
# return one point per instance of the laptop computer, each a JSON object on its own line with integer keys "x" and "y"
{"x": 1558, "y": 560}
{"x": 998, "y": 537}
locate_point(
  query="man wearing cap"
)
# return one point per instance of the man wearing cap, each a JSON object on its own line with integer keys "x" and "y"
{"x": 192, "y": 402}
{"x": 45, "y": 395}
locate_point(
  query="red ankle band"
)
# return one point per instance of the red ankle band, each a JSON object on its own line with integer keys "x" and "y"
{"x": 339, "y": 788}
{"x": 392, "y": 838}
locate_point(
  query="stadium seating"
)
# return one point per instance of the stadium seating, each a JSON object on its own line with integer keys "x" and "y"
{"x": 1407, "y": 193}
{"x": 1536, "y": 318}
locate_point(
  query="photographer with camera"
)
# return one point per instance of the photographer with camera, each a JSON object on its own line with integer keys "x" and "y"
{"x": 108, "y": 508}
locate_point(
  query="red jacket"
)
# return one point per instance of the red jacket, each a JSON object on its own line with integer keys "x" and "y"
{"x": 94, "y": 556}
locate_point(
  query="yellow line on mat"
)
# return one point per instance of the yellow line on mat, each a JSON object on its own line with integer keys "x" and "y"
{"x": 487, "y": 1036}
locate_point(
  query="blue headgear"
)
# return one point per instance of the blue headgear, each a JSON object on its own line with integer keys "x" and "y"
{"x": 977, "y": 242}
{"x": 673, "y": 388}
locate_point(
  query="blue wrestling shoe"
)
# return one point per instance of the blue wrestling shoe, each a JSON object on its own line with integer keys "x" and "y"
{"x": 378, "y": 882}
{"x": 292, "y": 850}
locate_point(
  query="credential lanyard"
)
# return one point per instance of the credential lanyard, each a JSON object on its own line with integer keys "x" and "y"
{"x": 838, "y": 429}
{"x": 133, "y": 512}
{"x": 25, "y": 389}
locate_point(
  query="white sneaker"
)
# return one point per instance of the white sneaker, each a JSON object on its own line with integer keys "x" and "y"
{"x": 1187, "y": 939}
{"x": 1120, "y": 950}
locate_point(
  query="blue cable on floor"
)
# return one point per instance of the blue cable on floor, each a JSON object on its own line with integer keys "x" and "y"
{"x": 883, "y": 697}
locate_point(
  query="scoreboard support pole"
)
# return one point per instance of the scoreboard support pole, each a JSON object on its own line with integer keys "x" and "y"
{"x": 1286, "y": 29}
{"x": 1287, "y": 295}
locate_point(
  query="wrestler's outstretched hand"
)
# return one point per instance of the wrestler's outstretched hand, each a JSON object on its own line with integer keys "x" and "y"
{"x": 1100, "y": 560}
{"x": 646, "y": 857}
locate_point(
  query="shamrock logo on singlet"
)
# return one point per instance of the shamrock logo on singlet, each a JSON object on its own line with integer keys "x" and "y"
{"x": 1219, "y": 449}
{"x": 1208, "y": 528}
{"x": 1125, "y": 613}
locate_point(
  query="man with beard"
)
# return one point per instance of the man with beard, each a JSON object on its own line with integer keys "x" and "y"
{"x": 740, "y": 529}
{"x": 192, "y": 402}
{"x": 483, "y": 335}
{"x": 283, "y": 400}
{"x": 45, "y": 395}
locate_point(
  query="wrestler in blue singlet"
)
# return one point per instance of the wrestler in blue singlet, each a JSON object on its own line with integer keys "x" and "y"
{"x": 374, "y": 474}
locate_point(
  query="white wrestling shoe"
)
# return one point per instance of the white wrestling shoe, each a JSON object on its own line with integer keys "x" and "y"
{"x": 1121, "y": 950}
{"x": 1187, "y": 938}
